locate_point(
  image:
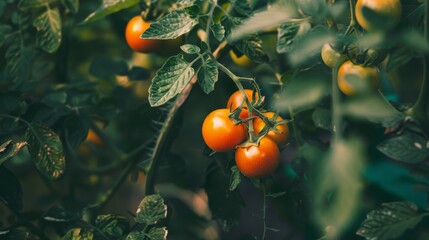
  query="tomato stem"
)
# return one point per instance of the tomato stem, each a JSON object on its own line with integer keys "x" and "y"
{"x": 336, "y": 106}
{"x": 209, "y": 22}
{"x": 352, "y": 25}
{"x": 264, "y": 212}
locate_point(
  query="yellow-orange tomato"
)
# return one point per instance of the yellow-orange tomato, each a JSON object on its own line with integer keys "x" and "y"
{"x": 258, "y": 161}
{"x": 92, "y": 137}
{"x": 280, "y": 138}
{"x": 236, "y": 99}
{"x": 332, "y": 57}
{"x": 356, "y": 79}
{"x": 378, "y": 15}
{"x": 242, "y": 61}
{"x": 220, "y": 133}
{"x": 135, "y": 28}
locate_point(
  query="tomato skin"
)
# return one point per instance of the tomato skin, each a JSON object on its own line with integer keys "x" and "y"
{"x": 220, "y": 133}
{"x": 331, "y": 57}
{"x": 242, "y": 61}
{"x": 368, "y": 77}
{"x": 385, "y": 14}
{"x": 279, "y": 138}
{"x": 236, "y": 98}
{"x": 258, "y": 161}
{"x": 135, "y": 28}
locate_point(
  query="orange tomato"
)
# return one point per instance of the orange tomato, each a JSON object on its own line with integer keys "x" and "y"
{"x": 135, "y": 28}
{"x": 280, "y": 138}
{"x": 237, "y": 98}
{"x": 355, "y": 79}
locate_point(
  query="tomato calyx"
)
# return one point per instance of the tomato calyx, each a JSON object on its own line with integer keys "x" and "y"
{"x": 365, "y": 56}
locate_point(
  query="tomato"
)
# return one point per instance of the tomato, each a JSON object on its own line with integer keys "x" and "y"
{"x": 356, "y": 79}
{"x": 93, "y": 138}
{"x": 220, "y": 133}
{"x": 332, "y": 57}
{"x": 258, "y": 161}
{"x": 279, "y": 138}
{"x": 378, "y": 15}
{"x": 135, "y": 28}
{"x": 236, "y": 99}
{"x": 242, "y": 61}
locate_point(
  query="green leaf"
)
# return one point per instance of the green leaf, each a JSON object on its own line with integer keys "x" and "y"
{"x": 135, "y": 235}
{"x": 408, "y": 147}
{"x": 242, "y": 7}
{"x": 170, "y": 26}
{"x": 235, "y": 178}
{"x": 337, "y": 185}
{"x": 3, "y": 5}
{"x": 10, "y": 189}
{"x": 208, "y": 74}
{"x": 79, "y": 234}
{"x": 374, "y": 108}
{"x": 18, "y": 63}
{"x": 218, "y": 31}
{"x": 289, "y": 33}
{"x": 71, "y": 5}
{"x": 151, "y": 209}
{"x": 55, "y": 99}
{"x": 157, "y": 233}
{"x": 112, "y": 225}
{"x": 108, "y": 7}
{"x": 170, "y": 80}
{"x": 46, "y": 151}
{"x": 28, "y": 4}
{"x": 58, "y": 213}
{"x": 190, "y": 49}
{"x": 4, "y": 30}
{"x": 48, "y": 26}
{"x": 9, "y": 149}
{"x": 251, "y": 46}
{"x": 390, "y": 221}
{"x": 14, "y": 234}
{"x": 322, "y": 118}
{"x": 274, "y": 195}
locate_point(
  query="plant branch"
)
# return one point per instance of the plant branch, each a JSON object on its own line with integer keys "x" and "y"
{"x": 336, "y": 106}
{"x": 209, "y": 22}
{"x": 264, "y": 212}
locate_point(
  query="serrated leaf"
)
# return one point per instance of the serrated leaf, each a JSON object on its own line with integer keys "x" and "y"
{"x": 190, "y": 49}
{"x": 208, "y": 74}
{"x": 48, "y": 26}
{"x": 390, "y": 221}
{"x": 157, "y": 233}
{"x": 288, "y": 33}
{"x": 135, "y": 235}
{"x": 218, "y": 31}
{"x": 251, "y": 46}
{"x": 112, "y": 225}
{"x": 408, "y": 147}
{"x": 170, "y": 26}
{"x": 10, "y": 189}
{"x": 14, "y": 234}
{"x": 108, "y": 7}
{"x": 18, "y": 63}
{"x": 374, "y": 108}
{"x": 71, "y": 5}
{"x": 28, "y": 4}
{"x": 151, "y": 209}
{"x": 4, "y": 30}
{"x": 235, "y": 178}
{"x": 59, "y": 214}
{"x": 242, "y": 7}
{"x": 170, "y": 80}
{"x": 9, "y": 149}
{"x": 46, "y": 151}
{"x": 322, "y": 118}
{"x": 79, "y": 234}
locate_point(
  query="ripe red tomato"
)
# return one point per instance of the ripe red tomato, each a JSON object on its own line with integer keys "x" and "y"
{"x": 356, "y": 79}
{"x": 236, "y": 99}
{"x": 279, "y": 138}
{"x": 220, "y": 133}
{"x": 258, "y": 161}
{"x": 135, "y": 28}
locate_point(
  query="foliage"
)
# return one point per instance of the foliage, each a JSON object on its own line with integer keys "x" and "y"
{"x": 100, "y": 142}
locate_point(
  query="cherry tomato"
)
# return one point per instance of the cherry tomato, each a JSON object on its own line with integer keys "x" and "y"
{"x": 236, "y": 99}
{"x": 279, "y": 138}
{"x": 356, "y": 79}
{"x": 242, "y": 61}
{"x": 332, "y": 57}
{"x": 135, "y": 28}
{"x": 258, "y": 161}
{"x": 220, "y": 133}
{"x": 378, "y": 15}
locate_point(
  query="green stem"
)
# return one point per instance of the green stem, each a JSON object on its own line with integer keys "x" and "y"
{"x": 209, "y": 22}
{"x": 264, "y": 212}
{"x": 336, "y": 106}
{"x": 352, "y": 25}
{"x": 106, "y": 140}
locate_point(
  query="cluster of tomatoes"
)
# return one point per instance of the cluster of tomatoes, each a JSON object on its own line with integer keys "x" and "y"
{"x": 358, "y": 73}
{"x": 222, "y": 134}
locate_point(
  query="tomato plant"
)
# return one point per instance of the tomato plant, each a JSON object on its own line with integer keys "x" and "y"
{"x": 217, "y": 119}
